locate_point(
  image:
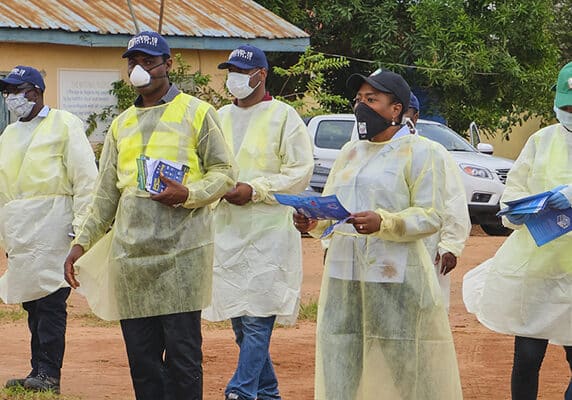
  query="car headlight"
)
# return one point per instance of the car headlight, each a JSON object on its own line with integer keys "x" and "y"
{"x": 478, "y": 172}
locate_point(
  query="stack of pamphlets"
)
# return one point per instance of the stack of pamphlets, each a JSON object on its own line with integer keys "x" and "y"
{"x": 545, "y": 223}
{"x": 150, "y": 169}
{"x": 315, "y": 207}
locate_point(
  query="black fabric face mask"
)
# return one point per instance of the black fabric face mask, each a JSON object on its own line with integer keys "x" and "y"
{"x": 369, "y": 122}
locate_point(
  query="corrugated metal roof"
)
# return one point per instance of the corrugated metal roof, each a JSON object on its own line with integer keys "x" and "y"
{"x": 237, "y": 19}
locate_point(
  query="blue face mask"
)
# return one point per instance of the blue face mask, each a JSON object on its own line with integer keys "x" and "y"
{"x": 564, "y": 117}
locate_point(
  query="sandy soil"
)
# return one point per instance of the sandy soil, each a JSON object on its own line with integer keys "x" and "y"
{"x": 95, "y": 365}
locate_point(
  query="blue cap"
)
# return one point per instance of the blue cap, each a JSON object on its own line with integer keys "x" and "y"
{"x": 246, "y": 57}
{"x": 149, "y": 43}
{"x": 23, "y": 74}
{"x": 414, "y": 102}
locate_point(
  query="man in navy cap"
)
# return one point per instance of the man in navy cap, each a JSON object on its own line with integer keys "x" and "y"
{"x": 258, "y": 261}
{"x": 159, "y": 255}
{"x": 47, "y": 172}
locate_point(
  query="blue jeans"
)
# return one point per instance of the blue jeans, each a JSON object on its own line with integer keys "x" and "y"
{"x": 254, "y": 377}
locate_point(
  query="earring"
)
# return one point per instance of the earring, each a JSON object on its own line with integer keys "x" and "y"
{"x": 392, "y": 122}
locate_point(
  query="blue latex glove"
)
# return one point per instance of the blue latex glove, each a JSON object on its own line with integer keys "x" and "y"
{"x": 517, "y": 219}
{"x": 558, "y": 201}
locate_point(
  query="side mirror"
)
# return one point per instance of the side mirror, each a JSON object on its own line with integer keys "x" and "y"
{"x": 474, "y": 135}
{"x": 485, "y": 148}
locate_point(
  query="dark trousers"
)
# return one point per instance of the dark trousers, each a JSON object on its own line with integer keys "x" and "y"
{"x": 165, "y": 356}
{"x": 528, "y": 356}
{"x": 47, "y": 319}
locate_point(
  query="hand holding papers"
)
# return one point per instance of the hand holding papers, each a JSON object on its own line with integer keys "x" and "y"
{"x": 315, "y": 207}
{"x": 544, "y": 222}
{"x": 149, "y": 171}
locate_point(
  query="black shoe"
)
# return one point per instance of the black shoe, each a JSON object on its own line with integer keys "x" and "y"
{"x": 16, "y": 381}
{"x": 43, "y": 383}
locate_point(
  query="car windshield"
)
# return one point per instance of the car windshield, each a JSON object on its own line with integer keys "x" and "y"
{"x": 451, "y": 140}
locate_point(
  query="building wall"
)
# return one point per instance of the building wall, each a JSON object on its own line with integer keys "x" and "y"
{"x": 519, "y": 135}
{"x": 49, "y": 58}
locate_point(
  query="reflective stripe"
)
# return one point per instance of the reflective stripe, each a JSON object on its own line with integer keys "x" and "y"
{"x": 160, "y": 132}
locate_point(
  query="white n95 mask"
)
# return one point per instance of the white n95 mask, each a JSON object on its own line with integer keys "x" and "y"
{"x": 18, "y": 104}
{"x": 564, "y": 117}
{"x": 239, "y": 84}
{"x": 139, "y": 77}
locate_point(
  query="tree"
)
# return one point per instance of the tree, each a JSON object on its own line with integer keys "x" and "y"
{"x": 489, "y": 61}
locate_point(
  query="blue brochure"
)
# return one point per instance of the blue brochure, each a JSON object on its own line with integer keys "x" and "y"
{"x": 545, "y": 223}
{"x": 549, "y": 225}
{"x": 315, "y": 207}
{"x": 530, "y": 204}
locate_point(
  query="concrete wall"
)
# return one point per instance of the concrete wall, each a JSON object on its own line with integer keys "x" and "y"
{"x": 50, "y": 59}
{"x": 511, "y": 148}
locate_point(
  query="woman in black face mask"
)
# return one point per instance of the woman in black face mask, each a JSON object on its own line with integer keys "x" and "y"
{"x": 383, "y": 331}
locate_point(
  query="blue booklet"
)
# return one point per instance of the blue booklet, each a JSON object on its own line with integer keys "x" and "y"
{"x": 316, "y": 207}
{"x": 530, "y": 204}
{"x": 149, "y": 171}
{"x": 545, "y": 223}
{"x": 549, "y": 225}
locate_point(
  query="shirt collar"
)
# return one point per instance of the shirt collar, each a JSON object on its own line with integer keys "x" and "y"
{"x": 401, "y": 132}
{"x": 167, "y": 98}
{"x": 43, "y": 112}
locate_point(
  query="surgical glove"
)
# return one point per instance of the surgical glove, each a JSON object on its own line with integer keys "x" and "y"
{"x": 517, "y": 219}
{"x": 558, "y": 201}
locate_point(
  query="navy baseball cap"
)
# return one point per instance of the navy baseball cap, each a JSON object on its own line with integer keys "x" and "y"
{"x": 414, "y": 102}
{"x": 384, "y": 81}
{"x": 23, "y": 74}
{"x": 246, "y": 57}
{"x": 149, "y": 43}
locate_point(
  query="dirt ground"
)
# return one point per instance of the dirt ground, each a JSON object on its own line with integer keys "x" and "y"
{"x": 95, "y": 365}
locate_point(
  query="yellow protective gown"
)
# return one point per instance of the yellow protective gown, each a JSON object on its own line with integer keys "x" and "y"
{"x": 524, "y": 289}
{"x": 157, "y": 259}
{"x": 455, "y": 227}
{"x": 47, "y": 173}
{"x": 258, "y": 260}
{"x": 383, "y": 331}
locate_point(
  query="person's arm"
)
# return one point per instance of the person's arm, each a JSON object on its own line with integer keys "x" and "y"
{"x": 297, "y": 163}
{"x": 103, "y": 206}
{"x": 517, "y": 179}
{"x": 81, "y": 170}
{"x": 217, "y": 162}
{"x": 456, "y": 223}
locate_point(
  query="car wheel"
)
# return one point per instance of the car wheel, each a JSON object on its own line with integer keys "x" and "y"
{"x": 496, "y": 230}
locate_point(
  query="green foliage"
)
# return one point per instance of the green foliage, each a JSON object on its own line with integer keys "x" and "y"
{"x": 489, "y": 61}
{"x": 562, "y": 29}
{"x": 310, "y": 96}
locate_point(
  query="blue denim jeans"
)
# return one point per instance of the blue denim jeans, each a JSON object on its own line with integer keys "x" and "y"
{"x": 254, "y": 377}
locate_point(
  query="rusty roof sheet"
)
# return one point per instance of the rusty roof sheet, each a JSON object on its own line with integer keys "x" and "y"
{"x": 242, "y": 19}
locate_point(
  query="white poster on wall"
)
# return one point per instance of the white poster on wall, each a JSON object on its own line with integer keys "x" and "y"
{"x": 86, "y": 91}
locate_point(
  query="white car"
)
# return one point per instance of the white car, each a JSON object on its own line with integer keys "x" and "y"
{"x": 483, "y": 175}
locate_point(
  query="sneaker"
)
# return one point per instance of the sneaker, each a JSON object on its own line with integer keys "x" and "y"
{"x": 233, "y": 396}
{"x": 43, "y": 383}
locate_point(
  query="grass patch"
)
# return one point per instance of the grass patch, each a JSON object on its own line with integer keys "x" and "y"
{"x": 19, "y": 393}
{"x": 12, "y": 313}
{"x": 92, "y": 320}
{"x": 309, "y": 311}
{"x": 208, "y": 325}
